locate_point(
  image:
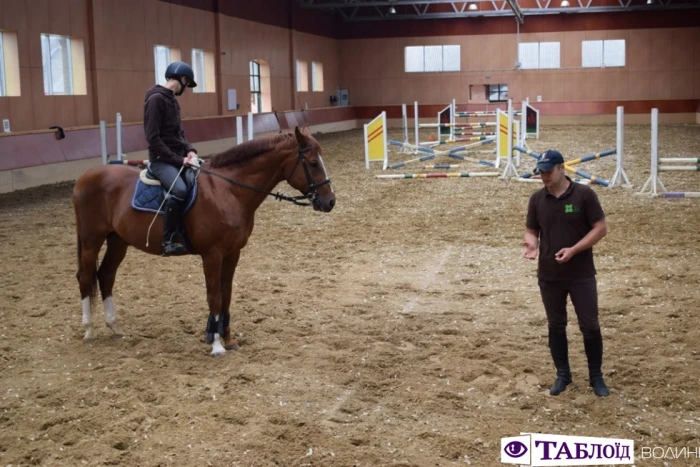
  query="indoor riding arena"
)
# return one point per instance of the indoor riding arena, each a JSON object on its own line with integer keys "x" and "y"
{"x": 398, "y": 323}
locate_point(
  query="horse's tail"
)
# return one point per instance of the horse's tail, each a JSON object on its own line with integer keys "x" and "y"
{"x": 93, "y": 289}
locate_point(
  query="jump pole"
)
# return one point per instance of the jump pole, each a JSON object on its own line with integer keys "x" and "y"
{"x": 441, "y": 175}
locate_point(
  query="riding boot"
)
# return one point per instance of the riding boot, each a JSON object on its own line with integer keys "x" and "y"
{"x": 594, "y": 353}
{"x": 171, "y": 217}
{"x": 559, "y": 348}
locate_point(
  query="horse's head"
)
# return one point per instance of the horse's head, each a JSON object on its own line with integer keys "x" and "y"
{"x": 308, "y": 174}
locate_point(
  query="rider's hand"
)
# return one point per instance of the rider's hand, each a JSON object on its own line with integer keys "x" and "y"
{"x": 191, "y": 160}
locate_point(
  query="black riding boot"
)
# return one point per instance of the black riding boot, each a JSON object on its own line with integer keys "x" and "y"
{"x": 171, "y": 216}
{"x": 594, "y": 353}
{"x": 559, "y": 347}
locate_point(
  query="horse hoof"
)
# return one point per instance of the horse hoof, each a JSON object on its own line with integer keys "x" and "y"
{"x": 89, "y": 335}
{"x": 232, "y": 346}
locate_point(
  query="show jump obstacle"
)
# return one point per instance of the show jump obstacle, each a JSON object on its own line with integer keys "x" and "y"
{"x": 376, "y": 146}
{"x": 651, "y": 186}
{"x": 619, "y": 177}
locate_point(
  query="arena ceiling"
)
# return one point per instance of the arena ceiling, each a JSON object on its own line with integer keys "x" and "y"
{"x": 396, "y": 10}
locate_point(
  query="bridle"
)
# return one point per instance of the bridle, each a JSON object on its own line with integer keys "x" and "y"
{"x": 311, "y": 192}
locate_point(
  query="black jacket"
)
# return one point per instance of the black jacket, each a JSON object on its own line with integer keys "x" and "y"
{"x": 163, "y": 127}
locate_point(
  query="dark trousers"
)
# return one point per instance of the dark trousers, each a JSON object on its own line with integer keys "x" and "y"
{"x": 167, "y": 174}
{"x": 584, "y": 296}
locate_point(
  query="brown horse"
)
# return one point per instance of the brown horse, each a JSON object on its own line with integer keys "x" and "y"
{"x": 231, "y": 186}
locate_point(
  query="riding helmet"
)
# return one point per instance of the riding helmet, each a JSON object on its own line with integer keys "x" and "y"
{"x": 178, "y": 69}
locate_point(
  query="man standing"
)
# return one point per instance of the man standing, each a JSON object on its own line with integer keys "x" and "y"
{"x": 567, "y": 219}
{"x": 168, "y": 149}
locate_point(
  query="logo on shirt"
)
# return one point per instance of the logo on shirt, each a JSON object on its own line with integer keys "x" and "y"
{"x": 570, "y": 208}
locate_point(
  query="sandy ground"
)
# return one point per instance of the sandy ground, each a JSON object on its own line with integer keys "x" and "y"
{"x": 403, "y": 328}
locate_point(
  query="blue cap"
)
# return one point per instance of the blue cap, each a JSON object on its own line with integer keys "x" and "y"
{"x": 549, "y": 159}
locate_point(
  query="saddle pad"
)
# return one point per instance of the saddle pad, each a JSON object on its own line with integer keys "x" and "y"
{"x": 148, "y": 198}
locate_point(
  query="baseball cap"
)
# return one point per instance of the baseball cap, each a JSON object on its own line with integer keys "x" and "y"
{"x": 549, "y": 159}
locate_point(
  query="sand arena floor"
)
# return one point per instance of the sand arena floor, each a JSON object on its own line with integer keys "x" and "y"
{"x": 403, "y": 328}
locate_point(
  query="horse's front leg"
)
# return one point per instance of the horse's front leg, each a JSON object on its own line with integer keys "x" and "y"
{"x": 215, "y": 324}
{"x": 227, "y": 271}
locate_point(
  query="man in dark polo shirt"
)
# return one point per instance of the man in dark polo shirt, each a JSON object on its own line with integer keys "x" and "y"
{"x": 568, "y": 220}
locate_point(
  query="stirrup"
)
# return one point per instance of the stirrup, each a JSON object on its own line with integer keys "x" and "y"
{"x": 173, "y": 249}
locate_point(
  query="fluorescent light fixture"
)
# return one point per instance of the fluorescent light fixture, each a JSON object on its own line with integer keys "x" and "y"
{"x": 473, "y": 6}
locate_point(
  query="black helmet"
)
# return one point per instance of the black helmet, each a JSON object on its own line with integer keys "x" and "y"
{"x": 177, "y": 69}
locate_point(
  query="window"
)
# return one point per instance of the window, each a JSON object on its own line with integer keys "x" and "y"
{"x": 57, "y": 64}
{"x": 9, "y": 64}
{"x": 260, "y": 86}
{"x": 3, "y": 92}
{"x": 603, "y": 53}
{"x": 498, "y": 93}
{"x": 432, "y": 58}
{"x": 316, "y": 76}
{"x": 539, "y": 55}
{"x": 198, "y": 67}
{"x": 161, "y": 55}
{"x": 63, "y": 63}
{"x": 255, "y": 95}
{"x": 302, "y": 76}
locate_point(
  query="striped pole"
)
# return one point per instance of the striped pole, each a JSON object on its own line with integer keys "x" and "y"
{"x": 679, "y": 194}
{"x": 441, "y": 166}
{"x": 591, "y": 157}
{"x": 417, "y": 159}
{"x": 441, "y": 175}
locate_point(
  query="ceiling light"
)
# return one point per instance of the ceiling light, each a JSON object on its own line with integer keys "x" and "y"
{"x": 564, "y": 3}
{"x": 473, "y": 6}
{"x": 650, "y": 2}
{"x": 392, "y": 11}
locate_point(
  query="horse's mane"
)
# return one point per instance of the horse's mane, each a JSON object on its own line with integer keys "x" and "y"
{"x": 252, "y": 148}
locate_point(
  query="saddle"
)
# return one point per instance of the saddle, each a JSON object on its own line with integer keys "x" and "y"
{"x": 149, "y": 193}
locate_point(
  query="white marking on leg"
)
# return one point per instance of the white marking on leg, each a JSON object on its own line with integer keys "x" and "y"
{"x": 217, "y": 349}
{"x": 111, "y": 316}
{"x": 87, "y": 319}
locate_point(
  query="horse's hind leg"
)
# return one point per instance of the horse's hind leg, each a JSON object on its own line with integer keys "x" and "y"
{"x": 87, "y": 279}
{"x": 116, "y": 250}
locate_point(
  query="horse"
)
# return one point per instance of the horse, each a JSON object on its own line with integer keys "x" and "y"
{"x": 230, "y": 187}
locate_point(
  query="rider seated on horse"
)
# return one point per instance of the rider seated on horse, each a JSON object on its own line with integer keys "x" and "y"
{"x": 168, "y": 149}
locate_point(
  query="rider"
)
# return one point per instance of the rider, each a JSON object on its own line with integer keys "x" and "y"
{"x": 168, "y": 149}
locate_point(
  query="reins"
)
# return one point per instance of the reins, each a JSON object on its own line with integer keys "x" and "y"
{"x": 279, "y": 196}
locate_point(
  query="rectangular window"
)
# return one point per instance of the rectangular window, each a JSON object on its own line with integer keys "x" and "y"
{"x": 199, "y": 70}
{"x": 161, "y": 55}
{"x": 609, "y": 53}
{"x": 549, "y": 55}
{"x": 3, "y": 92}
{"x": 539, "y": 55}
{"x": 498, "y": 93}
{"x": 316, "y": 76}
{"x": 432, "y": 58}
{"x": 302, "y": 76}
{"x": 9, "y": 64}
{"x": 57, "y": 65}
{"x": 450, "y": 58}
{"x": 413, "y": 57}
